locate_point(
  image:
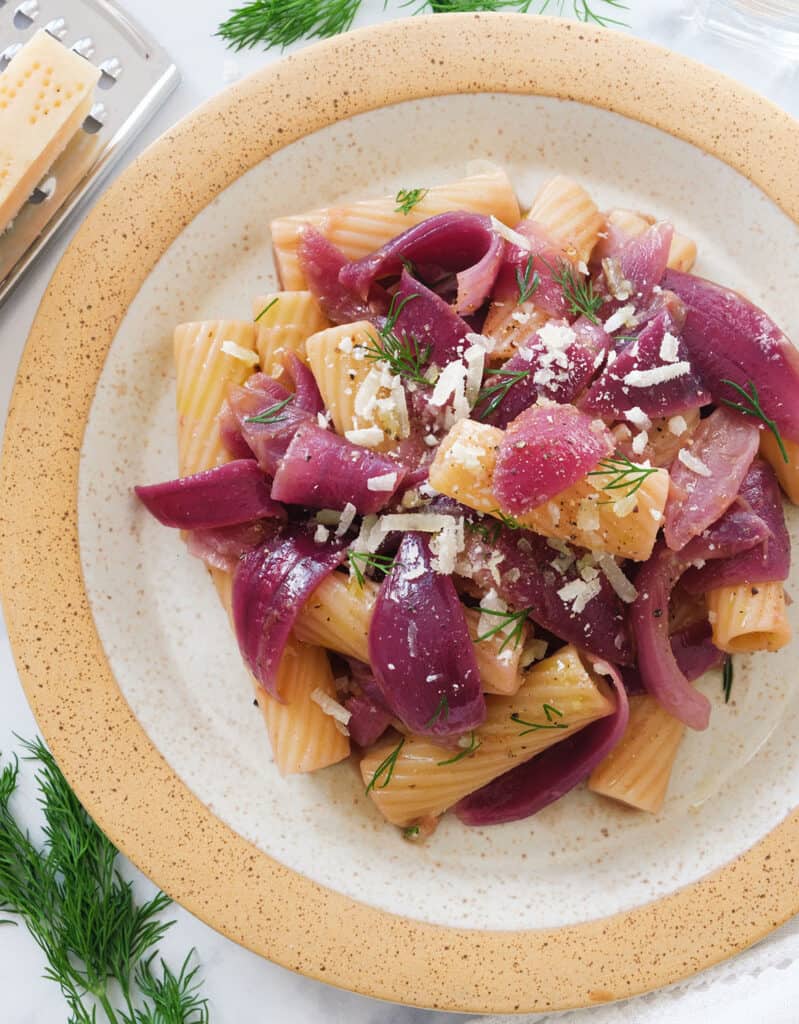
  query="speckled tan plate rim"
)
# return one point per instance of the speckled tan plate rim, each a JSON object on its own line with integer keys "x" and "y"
{"x": 118, "y": 774}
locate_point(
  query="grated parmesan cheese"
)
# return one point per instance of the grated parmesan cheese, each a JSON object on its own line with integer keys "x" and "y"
{"x": 693, "y": 463}
{"x": 369, "y": 437}
{"x": 451, "y": 383}
{"x": 485, "y": 341}
{"x": 657, "y": 375}
{"x": 639, "y": 442}
{"x": 424, "y": 522}
{"x": 244, "y": 355}
{"x": 624, "y": 506}
{"x": 493, "y": 603}
{"x": 385, "y": 482}
{"x": 578, "y": 593}
{"x": 677, "y": 425}
{"x": 345, "y": 345}
{"x": 323, "y": 419}
{"x": 623, "y": 588}
{"x": 347, "y": 517}
{"x": 638, "y": 418}
{"x": 510, "y": 235}
{"x": 321, "y": 534}
{"x": 447, "y": 545}
{"x": 623, "y": 317}
{"x": 669, "y": 348}
{"x": 475, "y": 363}
{"x": 331, "y": 707}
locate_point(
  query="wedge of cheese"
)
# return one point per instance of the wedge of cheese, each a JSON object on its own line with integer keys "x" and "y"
{"x": 45, "y": 94}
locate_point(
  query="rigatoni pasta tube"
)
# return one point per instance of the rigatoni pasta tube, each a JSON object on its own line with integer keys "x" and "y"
{"x": 357, "y": 393}
{"x": 423, "y": 783}
{"x": 303, "y": 738}
{"x": 283, "y": 323}
{"x": 617, "y": 522}
{"x": 637, "y": 771}
{"x": 338, "y": 613}
{"x": 205, "y": 372}
{"x": 787, "y": 472}
{"x": 569, "y": 215}
{"x": 749, "y": 617}
{"x": 359, "y": 228}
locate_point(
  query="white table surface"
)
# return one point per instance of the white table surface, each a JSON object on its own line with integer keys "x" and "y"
{"x": 763, "y": 984}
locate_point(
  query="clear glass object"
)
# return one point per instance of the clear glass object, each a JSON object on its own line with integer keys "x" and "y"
{"x": 770, "y": 24}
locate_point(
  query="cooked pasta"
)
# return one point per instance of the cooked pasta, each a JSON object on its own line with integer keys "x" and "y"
{"x": 361, "y": 227}
{"x": 787, "y": 472}
{"x": 338, "y": 613}
{"x": 569, "y": 216}
{"x": 428, "y": 778}
{"x": 303, "y": 735}
{"x": 584, "y": 514}
{"x": 637, "y": 771}
{"x": 749, "y": 617}
{"x": 205, "y": 371}
{"x": 430, "y": 520}
{"x": 357, "y": 395}
{"x": 284, "y": 321}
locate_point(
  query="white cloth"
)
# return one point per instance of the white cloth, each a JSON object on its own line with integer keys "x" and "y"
{"x": 763, "y": 983}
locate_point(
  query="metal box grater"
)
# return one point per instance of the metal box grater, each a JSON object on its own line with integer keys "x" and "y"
{"x": 137, "y": 76}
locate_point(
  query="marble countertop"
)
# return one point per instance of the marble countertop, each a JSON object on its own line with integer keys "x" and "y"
{"x": 240, "y": 985}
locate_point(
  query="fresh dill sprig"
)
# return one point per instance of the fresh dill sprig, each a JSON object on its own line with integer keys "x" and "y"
{"x": 272, "y": 414}
{"x": 623, "y": 474}
{"x": 407, "y": 198}
{"x": 490, "y": 534}
{"x": 411, "y": 832}
{"x": 99, "y": 941}
{"x": 282, "y": 22}
{"x": 385, "y": 768}
{"x": 362, "y": 561}
{"x": 726, "y": 678}
{"x": 496, "y": 392}
{"x": 511, "y": 522}
{"x": 513, "y": 635}
{"x": 551, "y": 714}
{"x": 755, "y": 409}
{"x": 527, "y": 282}
{"x": 405, "y": 356}
{"x": 267, "y": 307}
{"x": 474, "y": 745}
{"x": 578, "y": 291}
{"x": 442, "y": 712}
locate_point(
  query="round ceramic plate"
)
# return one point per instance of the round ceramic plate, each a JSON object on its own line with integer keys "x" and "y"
{"x": 128, "y": 661}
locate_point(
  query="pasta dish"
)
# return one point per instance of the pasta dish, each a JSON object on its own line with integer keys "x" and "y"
{"x": 485, "y": 491}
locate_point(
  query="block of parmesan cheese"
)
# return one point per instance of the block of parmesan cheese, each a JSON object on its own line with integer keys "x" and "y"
{"x": 45, "y": 94}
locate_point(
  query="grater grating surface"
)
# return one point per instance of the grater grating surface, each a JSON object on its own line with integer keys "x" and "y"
{"x": 137, "y": 76}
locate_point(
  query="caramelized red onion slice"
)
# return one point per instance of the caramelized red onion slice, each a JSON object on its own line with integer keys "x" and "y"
{"x": 649, "y": 617}
{"x": 533, "y": 371}
{"x": 706, "y": 483}
{"x": 419, "y": 647}
{"x": 760, "y": 518}
{"x": 545, "y": 450}
{"x": 222, "y": 548}
{"x": 428, "y": 322}
{"x": 729, "y": 338}
{"x": 530, "y": 572}
{"x": 322, "y": 470}
{"x": 641, "y": 261}
{"x": 262, "y": 397}
{"x": 522, "y": 265}
{"x": 457, "y": 242}
{"x": 270, "y": 586}
{"x": 613, "y": 393}
{"x": 227, "y": 495}
{"x": 527, "y": 789}
{"x": 322, "y": 262}
{"x": 306, "y": 391}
